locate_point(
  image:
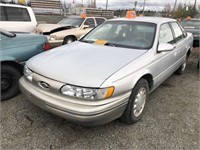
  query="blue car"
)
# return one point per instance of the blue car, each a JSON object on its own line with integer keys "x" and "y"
{"x": 15, "y": 49}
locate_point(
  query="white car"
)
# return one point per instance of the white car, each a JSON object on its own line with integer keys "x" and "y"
{"x": 110, "y": 72}
{"x": 17, "y": 18}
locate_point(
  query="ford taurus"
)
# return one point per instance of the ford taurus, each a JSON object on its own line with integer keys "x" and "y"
{"x": 109, "y": 73}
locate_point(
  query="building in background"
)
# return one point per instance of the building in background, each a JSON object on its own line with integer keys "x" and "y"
{"x": 47, "y": 7}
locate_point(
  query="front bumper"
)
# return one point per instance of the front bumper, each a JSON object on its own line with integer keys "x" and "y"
{"x": 55, "y": 43}
{"x": 83, "y": 112}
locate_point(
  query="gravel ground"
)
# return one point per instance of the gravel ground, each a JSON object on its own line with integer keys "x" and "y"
{"x": 171, "y": 121}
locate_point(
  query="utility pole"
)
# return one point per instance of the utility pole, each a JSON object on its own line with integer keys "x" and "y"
{"x": 195, "y": 2}
{"x": 135, "y": 5}
{"x": 143, "y": 7}
{"x": 106, "y": 4}
{"x": 174, "y": 7}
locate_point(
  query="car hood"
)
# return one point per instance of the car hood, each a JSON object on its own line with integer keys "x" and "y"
{"x": 82, "y": 64}
{"x": 47, "y": 27}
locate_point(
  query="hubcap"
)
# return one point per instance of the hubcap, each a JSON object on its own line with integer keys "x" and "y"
{"x": 69, "y": 41}
{"x": 139, "y": 102}
{"x": 7, "y": 81}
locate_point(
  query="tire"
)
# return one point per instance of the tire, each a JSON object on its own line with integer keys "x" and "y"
{"x": 9, "y": 82}
{"x": 137, "y": 99}
{"x": 182, "y": 68}
{"x": 68, "y": 40}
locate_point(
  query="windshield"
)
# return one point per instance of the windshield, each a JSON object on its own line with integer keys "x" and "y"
{"x": 193, "y": 24}
{"x": 128, "y": 34}
{"x": 71, "y": 22}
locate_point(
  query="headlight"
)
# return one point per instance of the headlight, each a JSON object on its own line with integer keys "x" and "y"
{"x": 28, "y": 73}
{"x": 87, "y": 93}
{"x": 52, "y": 37}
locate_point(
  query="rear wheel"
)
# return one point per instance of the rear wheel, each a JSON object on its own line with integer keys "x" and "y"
{"x": 9, "y": 82}
{"x": 137, "y": 102}
{"x": 68, "y": 40}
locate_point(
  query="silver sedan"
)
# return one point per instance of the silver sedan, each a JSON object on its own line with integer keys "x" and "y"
{"x": 109, "y": 73}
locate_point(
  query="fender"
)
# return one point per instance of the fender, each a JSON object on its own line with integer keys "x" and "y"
{"x": 7, "y": 58}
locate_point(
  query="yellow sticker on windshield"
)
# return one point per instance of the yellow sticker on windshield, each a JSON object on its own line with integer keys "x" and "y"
{"x": 100, "y": 42}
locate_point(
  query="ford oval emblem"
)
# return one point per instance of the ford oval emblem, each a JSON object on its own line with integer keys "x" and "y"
{"x": 44, "y": 85}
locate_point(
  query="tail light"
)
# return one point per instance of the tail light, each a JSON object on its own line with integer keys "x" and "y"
{"x": 47, "y": 46}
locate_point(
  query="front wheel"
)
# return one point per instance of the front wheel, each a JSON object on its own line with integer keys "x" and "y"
{"x": 137, "y": 102}
{"x": 68, "y": 40}
{"x": 9, "y": 82}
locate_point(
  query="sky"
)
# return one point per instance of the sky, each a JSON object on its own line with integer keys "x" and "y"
{"x": 126, "y": 4}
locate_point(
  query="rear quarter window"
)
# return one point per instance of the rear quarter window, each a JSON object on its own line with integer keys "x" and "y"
{"x": 17, "y": 14}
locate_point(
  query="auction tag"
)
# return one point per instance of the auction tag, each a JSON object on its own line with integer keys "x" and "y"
{"x": 100, "y": 42}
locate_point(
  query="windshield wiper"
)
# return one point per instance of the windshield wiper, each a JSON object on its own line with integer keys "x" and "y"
{"x": 87, "y": 41}
{"x": 110, "y": 44}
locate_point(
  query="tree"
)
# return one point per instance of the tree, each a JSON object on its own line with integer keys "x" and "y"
{"x": 167, "y": 10}
{"x": 178, "y": 13}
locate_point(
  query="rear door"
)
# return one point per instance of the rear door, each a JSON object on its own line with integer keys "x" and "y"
{"x": 181, "y": 45}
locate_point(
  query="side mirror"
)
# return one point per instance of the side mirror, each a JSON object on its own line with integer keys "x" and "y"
{"x": 85, "y": 26}
{"x": 165, "y": 47}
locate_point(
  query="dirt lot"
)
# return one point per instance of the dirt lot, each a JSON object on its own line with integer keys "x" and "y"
{"x": 171, "y": 121}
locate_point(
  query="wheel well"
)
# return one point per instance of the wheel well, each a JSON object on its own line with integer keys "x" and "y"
{"x": 73, "y": 36}
{"x": 188, "y": 53}
{"x": 149, "y": 79}
{"x": 13, "y": 64}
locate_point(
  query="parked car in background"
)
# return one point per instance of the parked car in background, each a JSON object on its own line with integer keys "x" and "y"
{"x": 15, "y": 49}
{"x": 108, "y": 73}
{"x": 17, "y": 18}
{"x": 192, "y": 25}
{"x": 68, "y": 30}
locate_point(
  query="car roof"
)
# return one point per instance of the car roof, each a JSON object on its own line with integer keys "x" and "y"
{"x": 13, "y": 5}
{"x": 156, "y": 20}
{"x": 196, "y": 19}
{"x": 82, "y": 18}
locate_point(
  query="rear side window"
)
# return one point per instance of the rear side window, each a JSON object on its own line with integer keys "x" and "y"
{"x": 17, "y": 14}
{"x": 99, "y": 21}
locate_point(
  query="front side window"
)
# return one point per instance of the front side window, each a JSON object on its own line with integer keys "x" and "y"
{"x": 128, "y": 34}
{"x": 177, "y": 31}
{"x": 90, "y": 22}
{"x": 165, "y": 35}
{"x": 17, "y": 14}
